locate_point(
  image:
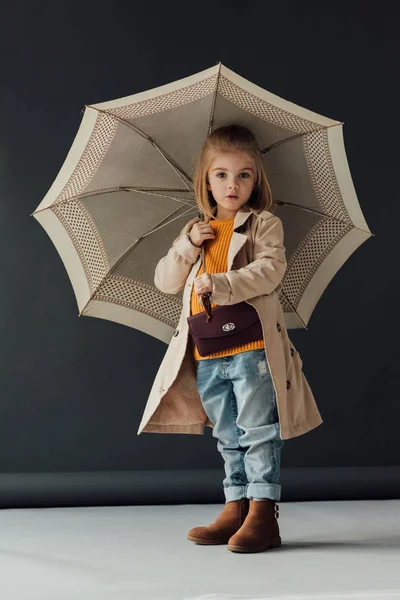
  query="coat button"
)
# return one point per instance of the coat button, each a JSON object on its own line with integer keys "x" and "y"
{"x": 292, "y": 351}
{"x": 176, "y": 333}
{"x": 287, "y": 385}
{"x": 278, "y": 327}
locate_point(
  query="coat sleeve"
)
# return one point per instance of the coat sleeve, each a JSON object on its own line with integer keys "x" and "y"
{"x": 172, "y": 270}
{"x": 262, "y": 275}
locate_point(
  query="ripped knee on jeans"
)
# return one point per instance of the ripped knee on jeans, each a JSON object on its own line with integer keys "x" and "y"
{"x": 262, "y": 367}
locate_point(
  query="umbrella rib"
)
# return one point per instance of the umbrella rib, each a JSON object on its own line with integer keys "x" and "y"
{"x": 214, "y": 100}
{"x": 183, "y": 176}
{"x": 294, "y": 310}
{"x": 152, "y": 192}
{"x": 115, "y": 265}
{"x": 311, "y": 210}
{"x": 161, "y": 224}
{"x": 294, "y": 137}
{"x": 321, "y": 214}
{"x": 119, "y": 188}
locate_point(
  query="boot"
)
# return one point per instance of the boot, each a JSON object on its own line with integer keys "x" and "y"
{"x": 260, "y": 530}
{"x": 224, "y": 526}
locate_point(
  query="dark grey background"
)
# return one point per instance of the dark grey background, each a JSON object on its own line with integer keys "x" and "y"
{"x": 73, "y": 390}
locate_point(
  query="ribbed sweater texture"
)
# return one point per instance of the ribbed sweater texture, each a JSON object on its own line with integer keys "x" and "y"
{"x": 216, "y": 261}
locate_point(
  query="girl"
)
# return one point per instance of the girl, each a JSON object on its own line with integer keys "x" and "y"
{"x": 254, "y": 394}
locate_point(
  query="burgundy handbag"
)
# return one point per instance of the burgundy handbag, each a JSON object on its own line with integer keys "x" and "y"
{"x": 225, "y": 327}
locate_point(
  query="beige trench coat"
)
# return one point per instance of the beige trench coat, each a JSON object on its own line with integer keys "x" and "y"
{"x": 253, "y": 274}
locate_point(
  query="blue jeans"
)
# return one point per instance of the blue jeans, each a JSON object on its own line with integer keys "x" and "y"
{"x": 239, "y": 398}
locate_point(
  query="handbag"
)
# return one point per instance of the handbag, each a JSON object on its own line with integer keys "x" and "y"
{"x": 224, "y": 327}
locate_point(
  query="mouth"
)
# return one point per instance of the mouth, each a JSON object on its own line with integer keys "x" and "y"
{"x": 232, "y": 197}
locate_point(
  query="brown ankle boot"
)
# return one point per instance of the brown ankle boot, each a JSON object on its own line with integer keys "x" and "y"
{"x": 260, "y": 530}
{"x": 224, "y": 526}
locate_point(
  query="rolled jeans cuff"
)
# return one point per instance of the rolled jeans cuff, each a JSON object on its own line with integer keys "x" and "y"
{"x": 264, "y": 490}
{"x": 234, "y": 492}
{"x": 253, "y": 491}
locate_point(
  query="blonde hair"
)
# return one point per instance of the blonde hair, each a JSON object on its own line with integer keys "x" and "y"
{"x": 228, "y": 139}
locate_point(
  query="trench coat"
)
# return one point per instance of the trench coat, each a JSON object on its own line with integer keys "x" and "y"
{"x": 255, "y": 267}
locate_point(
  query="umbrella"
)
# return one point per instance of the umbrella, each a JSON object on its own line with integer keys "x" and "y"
{"x": 125, "y": 191}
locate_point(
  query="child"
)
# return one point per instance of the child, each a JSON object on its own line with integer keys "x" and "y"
{"x": 254, "y": 394}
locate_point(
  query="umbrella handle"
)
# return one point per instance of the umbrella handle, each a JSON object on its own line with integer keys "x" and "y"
{"x": 205, "y": 298}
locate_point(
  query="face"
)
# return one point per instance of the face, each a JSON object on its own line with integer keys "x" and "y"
{"x": 230, "y": 173}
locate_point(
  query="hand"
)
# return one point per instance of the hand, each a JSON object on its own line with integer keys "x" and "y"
{"x": 203, "y": 284}
{"x": 199, "y": 232}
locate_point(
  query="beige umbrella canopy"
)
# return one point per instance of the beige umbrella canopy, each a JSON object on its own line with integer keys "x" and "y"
{"x": 125, "y": 191}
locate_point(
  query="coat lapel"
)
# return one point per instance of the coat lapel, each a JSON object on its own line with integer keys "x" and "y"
{"x": 238, "y": 239}
{"x": 237, "y": 242}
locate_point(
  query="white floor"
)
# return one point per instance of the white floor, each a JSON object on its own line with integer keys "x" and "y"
{"x": 344, "y": 550}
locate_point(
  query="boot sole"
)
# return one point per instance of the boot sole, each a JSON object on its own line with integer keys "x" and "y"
{"x": 274, "y": 544}
{"x": 206, "y": 542}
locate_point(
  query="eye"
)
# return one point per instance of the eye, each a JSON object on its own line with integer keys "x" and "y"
{"x": 246, "y": 174}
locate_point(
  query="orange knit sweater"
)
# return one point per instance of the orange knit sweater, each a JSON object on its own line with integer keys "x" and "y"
{"x": 216, "y": 261}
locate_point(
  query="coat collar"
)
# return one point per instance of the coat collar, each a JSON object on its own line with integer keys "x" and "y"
{"x": 238, "y": 239}
{"x": 240, "y": 218}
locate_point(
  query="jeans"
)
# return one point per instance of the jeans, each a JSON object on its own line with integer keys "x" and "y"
{"x": 239, "y": 398}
